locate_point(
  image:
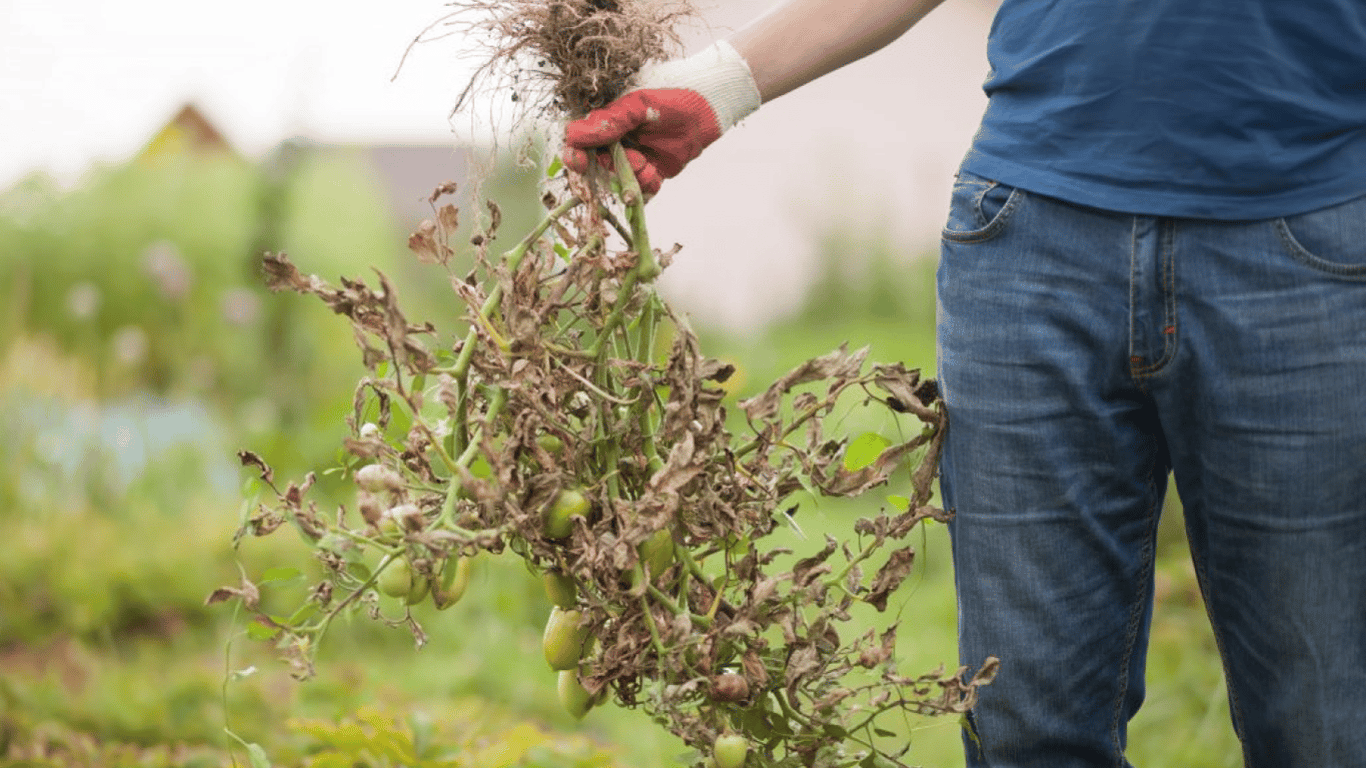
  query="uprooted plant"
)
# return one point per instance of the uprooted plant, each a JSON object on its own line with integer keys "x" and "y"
{"x": 554, "y": 428}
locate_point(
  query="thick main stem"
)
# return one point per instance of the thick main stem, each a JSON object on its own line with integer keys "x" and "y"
{"x": 513, "y": 258}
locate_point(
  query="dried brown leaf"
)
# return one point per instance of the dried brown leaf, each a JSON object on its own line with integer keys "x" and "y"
{"x": 890, "y": 576}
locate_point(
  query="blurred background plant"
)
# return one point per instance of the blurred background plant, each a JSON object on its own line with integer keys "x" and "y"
{"x": 139, "y": 350}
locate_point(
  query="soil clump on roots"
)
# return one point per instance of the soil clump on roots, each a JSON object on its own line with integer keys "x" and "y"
{"x": 561, "y": 58}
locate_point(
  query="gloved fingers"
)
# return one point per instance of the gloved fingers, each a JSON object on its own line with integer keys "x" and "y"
{"x": 647, "y": 174}
{"x": 610, "y": 124}
{"x": 575, "y": 159}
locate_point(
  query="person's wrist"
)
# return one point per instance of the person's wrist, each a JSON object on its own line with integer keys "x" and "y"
{"x": 719, "y": 74}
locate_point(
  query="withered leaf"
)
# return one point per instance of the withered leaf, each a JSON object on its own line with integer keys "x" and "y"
{"x": 834, "y": 366}
{"x": 247, "y": 592}
{"x": 448, "y": 219}
{"x": 802, "y": 662}
{"x": 281, "y": 275}
{"x": 250, "y": 459}
{"x": 446, "y": 188}
{"x": 754, "y": 669}
{"x": 804, "y": 570}
{"x": 495, "y": 220}
{"x": 890, "y": 576}
{"x": 426, "y": 244}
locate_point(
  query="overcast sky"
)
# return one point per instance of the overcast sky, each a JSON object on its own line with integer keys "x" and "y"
{"x": 84, "y": 80}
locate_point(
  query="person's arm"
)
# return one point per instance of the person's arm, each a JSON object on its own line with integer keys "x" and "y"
{"x": 801, "y": 40}
{"x": 680, "y": 107}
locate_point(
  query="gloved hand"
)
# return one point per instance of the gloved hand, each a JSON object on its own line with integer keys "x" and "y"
{"x": 674, "y": 111}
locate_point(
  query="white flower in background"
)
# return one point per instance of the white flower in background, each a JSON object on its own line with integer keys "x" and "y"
{"x": 83, "y": 301}
{"x": 168, "y": 269}
{"x": 130, "y": 345}
{"x": 241, "y": 306}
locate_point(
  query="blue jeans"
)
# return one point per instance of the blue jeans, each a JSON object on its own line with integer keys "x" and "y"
{"x": 1084, "y": 356}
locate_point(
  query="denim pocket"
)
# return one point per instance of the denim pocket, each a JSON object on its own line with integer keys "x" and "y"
{"x": 1331, "y": 239}
{"x": 980, "y": 208}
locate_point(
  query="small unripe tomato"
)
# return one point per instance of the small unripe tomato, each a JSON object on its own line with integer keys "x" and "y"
{"x": 657, "y": 552}
{"x": 550, "y": 443}
{"x": 575, "y": 698}
{"x": 563, "y": 639}
{"x": 390, "y": 529}
{"x": 455, "y": 578}
{"x": 399, "y": 580}
{"x": 558, "y": 522}
{"x": 561, "y": 588}
{"x": 729, "y": 750}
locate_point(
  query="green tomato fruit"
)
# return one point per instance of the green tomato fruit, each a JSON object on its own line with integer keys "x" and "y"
{"x": 398, "y": 580}
{"x": 561, "y": 588}
{"x": 558, "y": 521}
{"x": 455, "y": 578}
{"x": 657, "y": 552}
{"x": 729, "y": 750}
{"x": 390, "y": 529}
{"x": 420, "y": 589}
{"x": 575, "y": 698}
{"x": 550, "y": 443}
{"x": 563, "y": 639}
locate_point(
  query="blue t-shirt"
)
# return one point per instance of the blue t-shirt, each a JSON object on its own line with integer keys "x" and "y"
{"x": 1222, "y": 109}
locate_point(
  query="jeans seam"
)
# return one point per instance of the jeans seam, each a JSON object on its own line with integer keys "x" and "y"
{"x": 1354, "y": 272}
{"x": 1235, "y": 707}
{"x": 1133, "y": 291}
{"x": 1170, "y": 331}
{"x": 1136, "y": 619}
{"x": 992, "y": 228}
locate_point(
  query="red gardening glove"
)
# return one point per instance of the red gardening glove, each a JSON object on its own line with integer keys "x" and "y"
{"x": 675, "y": 111}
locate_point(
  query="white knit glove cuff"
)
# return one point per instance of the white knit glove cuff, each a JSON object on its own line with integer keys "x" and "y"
{"x": 719, "y": 74}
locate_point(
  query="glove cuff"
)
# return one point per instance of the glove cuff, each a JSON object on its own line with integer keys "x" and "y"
{"x": 718, "y": 73}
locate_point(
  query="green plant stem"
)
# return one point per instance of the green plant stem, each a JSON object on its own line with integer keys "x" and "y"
{"x": 797, "y": 422}
{"x": 496, "y": 405}
{"x": 654, "y": 630}
{"x": 320, "y": 629}
{"x": 673, "y": 607}
{"x": 461, "y": 368}
{"x": 789, "y": 712}
{"x": 647, "y": 267}
{"x": 837, "y": 579}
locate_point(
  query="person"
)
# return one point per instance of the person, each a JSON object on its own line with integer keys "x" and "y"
{"x": 1154, "y": 264}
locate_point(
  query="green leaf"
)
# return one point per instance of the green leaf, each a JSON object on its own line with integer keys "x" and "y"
{"x": 257, "y": 631}
{"x": 864, "y": 450}
{"x": 303, "y": 614}
{"x": 282, "y": 573}
{"x": 556, "y": 165}
{"x": 900, "y": 502}
{"x": 257, "y": 756}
